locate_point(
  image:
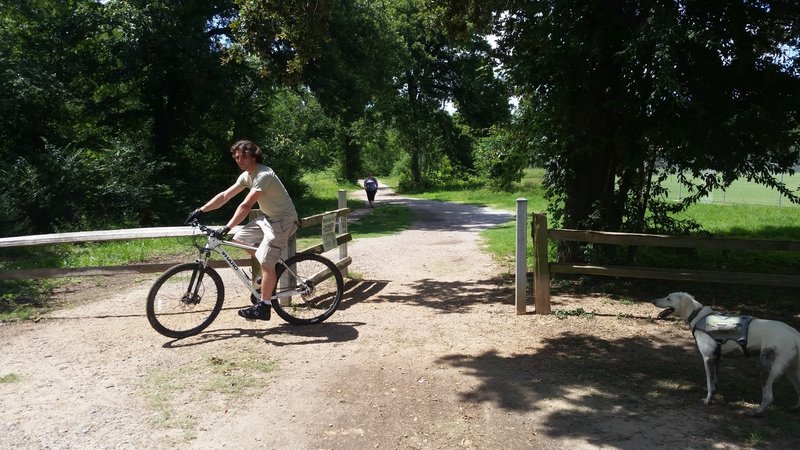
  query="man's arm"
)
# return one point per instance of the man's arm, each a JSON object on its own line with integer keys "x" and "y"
{"x": 244, "y": 208}
{"x": 222, "y": 198}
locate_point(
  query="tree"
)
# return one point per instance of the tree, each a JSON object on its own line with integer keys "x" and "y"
{"x": 436, "y": 69}
{"x": 618, "y": 94}
{"x": 356, "y": 57}
{"x": 121, "y": 112}
{"x": 340, "y": 50}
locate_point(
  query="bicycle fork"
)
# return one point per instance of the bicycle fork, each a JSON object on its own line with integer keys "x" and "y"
{"x": 193, "y": 290}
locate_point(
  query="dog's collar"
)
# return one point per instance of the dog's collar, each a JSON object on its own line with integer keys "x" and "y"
{"x": 693, "y": 315}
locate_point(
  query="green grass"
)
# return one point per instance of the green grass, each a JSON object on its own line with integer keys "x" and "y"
{"x": 324, "y": 194}
{"x": 386, "y": 220}
{"x": 529, "y": 188}
{"x": 24, "y": 300}
{"x": 230, "y": 379}
{"x": 9, "y": 378}
{"x": 740, "y": 192}
{"x": 747, "y": 221}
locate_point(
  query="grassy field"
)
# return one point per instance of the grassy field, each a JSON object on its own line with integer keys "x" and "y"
{"x": 741, "y": 192}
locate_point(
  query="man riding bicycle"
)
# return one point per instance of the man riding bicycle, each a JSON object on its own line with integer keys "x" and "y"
{"x": 270, "y": 231}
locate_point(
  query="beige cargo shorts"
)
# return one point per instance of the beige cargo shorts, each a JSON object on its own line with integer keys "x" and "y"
{"x": 271, "y": 237}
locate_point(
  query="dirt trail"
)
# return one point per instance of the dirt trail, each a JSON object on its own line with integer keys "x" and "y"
{"x": 426, "y": 352}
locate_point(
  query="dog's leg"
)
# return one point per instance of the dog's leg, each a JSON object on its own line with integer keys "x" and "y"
{"x": 711, "y": 363}
{"x": 771, "y": 369}
{"x": 793, "y": 374}
{"x": 708, "y": 350}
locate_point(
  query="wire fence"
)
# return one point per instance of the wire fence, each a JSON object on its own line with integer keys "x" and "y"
{"x": 741, "y": 192}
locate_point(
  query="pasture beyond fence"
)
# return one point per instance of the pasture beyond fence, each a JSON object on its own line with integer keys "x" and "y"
{"x": 739, "y": 192}
{"x": 342, "y": 236}
{"x": 543, "y": 268}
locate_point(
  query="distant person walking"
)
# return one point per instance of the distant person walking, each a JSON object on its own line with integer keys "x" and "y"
{"x": 371, "y": 186}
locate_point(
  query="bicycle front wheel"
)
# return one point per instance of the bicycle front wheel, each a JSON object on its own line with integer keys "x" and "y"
{"x": 184, "y": 300}
{"x": 318, "y": 283}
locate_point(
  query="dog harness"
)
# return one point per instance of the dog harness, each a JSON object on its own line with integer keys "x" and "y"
{"x": 725, "y": 327}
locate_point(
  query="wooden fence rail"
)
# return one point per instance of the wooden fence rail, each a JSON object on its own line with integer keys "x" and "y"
{"x": 144, "y": 233}
{"x": 543, "y": 268}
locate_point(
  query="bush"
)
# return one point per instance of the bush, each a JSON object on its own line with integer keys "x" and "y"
{"x": 500, "y": 163}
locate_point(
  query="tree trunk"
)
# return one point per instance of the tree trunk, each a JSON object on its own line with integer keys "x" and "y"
{"x": 589, "y": 197}
{"x": 351, "y": 155}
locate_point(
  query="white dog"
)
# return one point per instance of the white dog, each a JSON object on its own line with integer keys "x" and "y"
{"x": 777, "y": 344}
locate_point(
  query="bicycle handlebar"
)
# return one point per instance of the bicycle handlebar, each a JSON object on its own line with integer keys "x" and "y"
{"x": 208, "y": 231}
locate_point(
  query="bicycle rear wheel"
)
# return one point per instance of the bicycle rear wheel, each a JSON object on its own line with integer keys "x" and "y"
{"x": 323, "y": 285}
{"x": 184, "y": 300}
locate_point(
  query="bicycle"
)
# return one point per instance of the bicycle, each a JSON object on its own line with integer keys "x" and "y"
{"x": 187, "y": 297}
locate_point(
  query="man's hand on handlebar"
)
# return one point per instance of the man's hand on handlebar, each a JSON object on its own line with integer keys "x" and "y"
{"x": 193, "y": 216}
{"x": 220, "y": 233}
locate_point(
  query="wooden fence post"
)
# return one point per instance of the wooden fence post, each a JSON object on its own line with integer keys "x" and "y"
{"x": 541, "y": 270}
{"x": 521, "y": 282}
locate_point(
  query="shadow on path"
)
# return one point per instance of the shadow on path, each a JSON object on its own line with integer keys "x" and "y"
{"x": 615, "y": 396}
{"x": 327, "y": 332}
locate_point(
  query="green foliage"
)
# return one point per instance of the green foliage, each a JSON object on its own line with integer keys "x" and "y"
{"x": 500, "y": 162}
{"x": 298, "y": 120}
{"x": 380, "y": 143}
{"x": 615, "y": 95}
{"x": 121, "y": 113}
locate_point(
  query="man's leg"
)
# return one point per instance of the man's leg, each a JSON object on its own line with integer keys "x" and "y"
{"x": 268, "y": 253}
{"x": 268, "y": 281}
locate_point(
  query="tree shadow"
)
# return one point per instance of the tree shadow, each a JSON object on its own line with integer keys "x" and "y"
{"x": 323, "y": 333}
{"x": 357, "y": 291}
{"x": 606, "y": 392}
{"x": 770, "y": 232}
{"x": 766, "y": 302}
{"x": 450, "y": 296}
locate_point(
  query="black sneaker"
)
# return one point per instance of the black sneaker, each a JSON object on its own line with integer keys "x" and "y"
{"x": 259, "y": 311}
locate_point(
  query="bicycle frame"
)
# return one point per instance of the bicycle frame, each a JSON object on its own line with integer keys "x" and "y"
{"x": 215, "y": 245}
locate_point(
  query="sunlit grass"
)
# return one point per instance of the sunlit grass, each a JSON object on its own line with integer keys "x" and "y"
{"x": 528, "y": 188}
{"x": 324, "y": 195}
{"x": 747, "y": 221}
{"x": 382, "y": 221}
{"x": 741, "y": 192}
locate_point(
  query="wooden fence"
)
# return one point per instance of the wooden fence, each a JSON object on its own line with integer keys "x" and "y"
{"x": 543, "y": 268}
{"x": 342, "y": 237}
